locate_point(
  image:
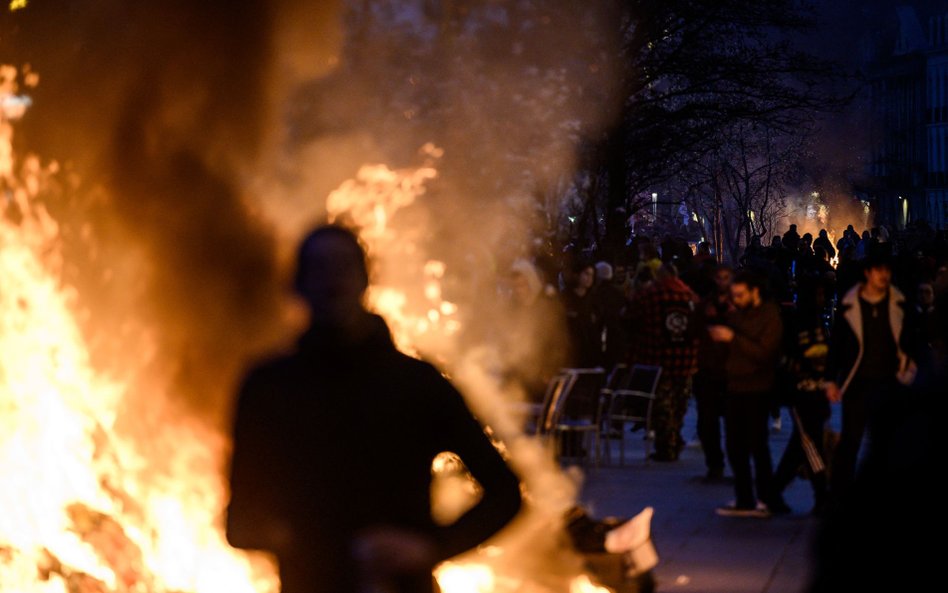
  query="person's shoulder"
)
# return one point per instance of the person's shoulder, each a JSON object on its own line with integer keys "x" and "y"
{"x": 275, "y": 364}
{"x": 411, "y": 369}
{"x": 771, "y": 308}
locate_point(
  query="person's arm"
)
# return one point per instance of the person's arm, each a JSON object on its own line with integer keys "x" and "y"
{"x": 252, "y": 514}
{"x": 458, "y": 431}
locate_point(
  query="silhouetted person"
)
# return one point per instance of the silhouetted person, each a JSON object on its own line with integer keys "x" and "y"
{"x": 823, "y": 241}
{"x": 663, "y": 317}
{"x": 807, "y": 352}
{"x": 870, "y": 362}
{"x": 333, "y": 445}
{"x": 753, "y": 335}
{"x": 583, "y": 318}
{"x": 710, "y": 383}
{"x": 882, "y": 538}
{"x": 791, "y": 239}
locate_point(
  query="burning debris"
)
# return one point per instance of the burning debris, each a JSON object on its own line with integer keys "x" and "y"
{"x": 618, "y": 552}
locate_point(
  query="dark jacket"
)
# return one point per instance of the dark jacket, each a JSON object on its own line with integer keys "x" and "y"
{"x": 847, "y": 348}
{"x": 753, "y": 353}
{"x": 712, "y": 356}
{"x": 339, "y": 437}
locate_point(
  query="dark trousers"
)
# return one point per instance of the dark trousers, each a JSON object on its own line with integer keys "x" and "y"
{"x": 747, "y": 437}
{"x": 866, "y": 404}
{"x": 710, "y": 394}
{"x": 668, "y": 414}
{"x": 813, "y": 410}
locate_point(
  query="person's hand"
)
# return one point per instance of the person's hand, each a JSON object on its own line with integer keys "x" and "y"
{"x": 386, "y": 551}
{"x": 721, "y": 333}
{"x": 832, "y": 392}
{"x": 908, "y": 372}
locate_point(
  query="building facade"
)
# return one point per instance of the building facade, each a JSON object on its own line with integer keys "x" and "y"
{"x": 909, "y": 95}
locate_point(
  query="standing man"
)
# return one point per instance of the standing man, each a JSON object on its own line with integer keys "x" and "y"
{"x": 710, "y": 384}
{"x": 334, "y": 441}
{"x": 870, "y": 364}
{"x": 665, "y": 316}
{"x": 753, "y": 335}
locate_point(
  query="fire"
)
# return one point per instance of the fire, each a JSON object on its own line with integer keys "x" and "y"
{"x": 85, "y": 508}
{"x": 582, "y": 584}
{"x": 465, "y": 578}
{"x": 370, "y": 202}
{"x": 410, "y": 290}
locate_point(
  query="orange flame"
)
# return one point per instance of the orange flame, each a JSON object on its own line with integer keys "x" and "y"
{"x": 85, "y": 511}
{"x": 408, "y": 290}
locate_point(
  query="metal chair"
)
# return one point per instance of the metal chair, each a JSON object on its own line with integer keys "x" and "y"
{"x": 576, "y": 409}
{"x": 631, "y": 403}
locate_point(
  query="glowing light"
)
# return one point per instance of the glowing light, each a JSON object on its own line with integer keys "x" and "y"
{"x": 372, "y": 201}
{"x": 582, "y": 584}
{"x": 465, "y": 578}
{"x": 17, "y": 5}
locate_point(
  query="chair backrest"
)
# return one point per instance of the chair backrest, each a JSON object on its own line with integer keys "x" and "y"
{"x": 619, "y": 377}
{"x": 556, "y": 390}
{"x": 582, "y": 399}
{"x": 644, "y": 377}
{"x": 635, "y": 402}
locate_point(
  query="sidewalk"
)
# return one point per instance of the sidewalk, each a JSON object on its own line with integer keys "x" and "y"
{"x": 701, "y": 552}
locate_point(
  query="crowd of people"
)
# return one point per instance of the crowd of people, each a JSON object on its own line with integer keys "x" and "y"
{"x": 801, "y": 324}
{"x": 786, "y": 328}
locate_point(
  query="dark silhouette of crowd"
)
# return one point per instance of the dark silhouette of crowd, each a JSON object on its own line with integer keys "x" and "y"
{"x": 799, "y": 323}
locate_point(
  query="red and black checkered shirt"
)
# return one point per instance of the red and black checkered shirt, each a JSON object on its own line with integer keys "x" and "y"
{"x": 664, "y": 327}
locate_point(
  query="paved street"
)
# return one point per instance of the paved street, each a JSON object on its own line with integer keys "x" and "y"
{"x": 700, "y": 551}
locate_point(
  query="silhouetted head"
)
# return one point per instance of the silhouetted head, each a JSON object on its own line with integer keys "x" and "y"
{"x": 331, "y": 275}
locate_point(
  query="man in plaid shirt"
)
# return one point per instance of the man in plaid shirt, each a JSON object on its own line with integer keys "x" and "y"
{"x": 663, "y": 323}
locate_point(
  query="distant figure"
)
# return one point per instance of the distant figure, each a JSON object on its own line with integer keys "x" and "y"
{"x": 333, "y": 445}
{"x": 663, "y": 317}
{"x": 791, "y": 239}
{"x": 611, "y": 304}
{"x": 533, "y": 323}
{"x": 753, "y": 335}
{"x": 823, "y": 241}
{"x": 870, "y": 362}
{"x": 583, "y": 318}
{"x": 807, "y": 353}
{"x": 710, "y": 383}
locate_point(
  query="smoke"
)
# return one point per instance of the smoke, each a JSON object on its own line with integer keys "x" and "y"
{"x": 498, "y": 98}
{"x": 197, "y": 141}
{"x": 158, "y": 114}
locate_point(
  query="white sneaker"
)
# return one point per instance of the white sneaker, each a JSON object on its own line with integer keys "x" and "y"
{"x": 732, "y": 510}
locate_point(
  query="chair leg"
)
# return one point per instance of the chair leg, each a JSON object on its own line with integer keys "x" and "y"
{"x": 595, "y": 436}
{"x": 648, "y": 441}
